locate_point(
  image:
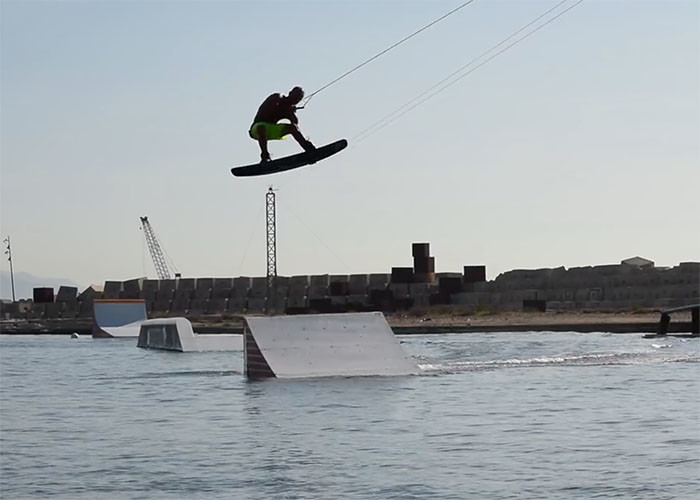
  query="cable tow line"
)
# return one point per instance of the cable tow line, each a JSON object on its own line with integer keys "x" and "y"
{"x": 308, "y": 98}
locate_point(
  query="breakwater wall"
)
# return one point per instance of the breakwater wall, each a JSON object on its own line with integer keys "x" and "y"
{"x": 609, "y": 287}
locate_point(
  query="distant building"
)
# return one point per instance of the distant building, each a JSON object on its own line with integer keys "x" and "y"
{"x": 639, "y": 262}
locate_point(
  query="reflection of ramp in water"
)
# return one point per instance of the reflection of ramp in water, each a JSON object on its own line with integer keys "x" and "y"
{"x": 176, "y": 334}
{"x": 323, "y": 345}
{"x": 118, "y": 318}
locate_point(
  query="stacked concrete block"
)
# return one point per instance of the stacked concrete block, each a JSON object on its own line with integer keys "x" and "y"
{"x": 338, "y": 285}
{"x": 85, "y": 309}
{"x": 52, "y": 310}
{"x": 399, "y": 290}
{"x": 379, "y": 281}
{"x": 112, "y": 290}
{"x": 258, "y": 288}
{"x": 216, "y": 306}
{"x": 179, "y": 306}
{"x": 318, "y": 287}
{"x": 222, "y": 288}
{"x": 256, "y": 305}
{"x": 69, "y": 310}
{"x": 240, "y": 288}
{"x": 197, "y": 307}
{"x": 166, "y": 289}
{"x": 402, "y": 275}
{"x": 358, "y": 284}
{"x": 131, "y": 289}
{"x": 67, "y": 294}
{"x": 149, "y": 290}
{"x": 237, "y": 304}
{"x": 298, "y": 284}
{"x": 297, "y": 300}
{"x": 37, "y": 310}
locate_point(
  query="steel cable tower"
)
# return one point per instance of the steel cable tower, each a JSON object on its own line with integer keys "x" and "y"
{"x": 271, "y": 250}
{"x": 156, "y": 252}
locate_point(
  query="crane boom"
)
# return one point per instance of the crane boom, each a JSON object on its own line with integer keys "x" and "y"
{"x": 156, "y": 252}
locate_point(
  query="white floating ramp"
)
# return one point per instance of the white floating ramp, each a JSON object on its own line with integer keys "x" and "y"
{"x": 176, "y": 334}
{"x": 118, "y": 318}
{"x": 323, "y": 345}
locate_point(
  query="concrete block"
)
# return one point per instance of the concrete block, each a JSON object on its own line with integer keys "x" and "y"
{"x": 256, "y": 305}
{"x": 37, "y": 310}
{"x": 186, "y": 284}
{"x": 179, "y": 306}
{"x": 238, "y": 293}
{"x": 221, "y": 293}
{"x": 85, "y": 309}
{"x": 421, "y": 301}
{"x": 132, "y": 288}
{"x": 161, "y": 305}
{"x": 399, "y": 290}
{"x": 359, "y": 284}
{"x": 297, "y": 301}
{"x": 197, "y": 307}
{"x": 67, "y": 294}
{"x": 321, "y": 280}
{"x": 165, "y": 294}
{"x": 298, "y": 282}
{"x": 338, "y": 300}
{"x": 165, "y": 286}
{"x": 242, "y": 283}
{"x": 379, "y": 281}
{"x": 222, "y": 283}
{"x": 317, "y": 292}
{"x": 69, "y": 310}
{"x": 205, "y": 284}
{"x": 216, "y": 306}
{"x": 183, "y": 294}
{"x": 357, "y": 300}
{"x": 419, "y": 289}
{"x": 111, "y": 289}
{"x": 149, "y": 286}
{"x": 148, "y": 295}
{"x": 202, "y": 294}
{"x": 53, "y": 310}
{"x": 237, "y": 305}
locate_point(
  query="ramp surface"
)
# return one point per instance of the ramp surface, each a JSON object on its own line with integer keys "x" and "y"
{"x": 323, "y": 345}
{"x": 114, "y": 318}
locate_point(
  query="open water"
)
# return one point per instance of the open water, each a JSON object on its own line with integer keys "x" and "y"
{"x": 494, "y": 416}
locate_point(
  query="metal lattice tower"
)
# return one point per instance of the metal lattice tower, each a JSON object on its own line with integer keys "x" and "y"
{"x": 156, "y": 252}
{"x": 271, "y": 248}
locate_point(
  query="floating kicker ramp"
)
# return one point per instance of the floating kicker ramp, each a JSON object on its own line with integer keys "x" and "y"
{"x": 176, "y": 334}
{"x": 118, "y": 318}
{"x": 323, "y": 345}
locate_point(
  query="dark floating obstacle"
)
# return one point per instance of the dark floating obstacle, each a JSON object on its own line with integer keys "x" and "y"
{"x": 665, "y": 321}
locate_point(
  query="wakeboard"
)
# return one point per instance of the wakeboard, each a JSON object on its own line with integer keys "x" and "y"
{"x": 290, "y": 162}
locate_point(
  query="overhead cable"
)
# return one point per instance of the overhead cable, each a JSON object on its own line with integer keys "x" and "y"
{"x": 308, "y": 98}
{"x": 399, "y": 112}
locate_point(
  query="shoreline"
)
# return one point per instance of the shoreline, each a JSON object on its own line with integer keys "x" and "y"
{"x": 411, "y": 324}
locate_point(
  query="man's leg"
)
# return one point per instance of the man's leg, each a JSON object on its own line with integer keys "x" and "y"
{"x": 296, "y": 133}
{"x": 262, "y": 141}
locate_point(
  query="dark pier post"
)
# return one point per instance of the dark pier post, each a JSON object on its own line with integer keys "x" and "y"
{"x": 695, "y": 321}
{"x": 663, "y": 323}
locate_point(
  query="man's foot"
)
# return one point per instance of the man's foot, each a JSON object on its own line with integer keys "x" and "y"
{"x": 264, "y": 157}
{"x": 308, "y": 146}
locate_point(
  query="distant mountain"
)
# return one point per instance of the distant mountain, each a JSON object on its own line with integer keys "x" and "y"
{"x": 25, "y": 284}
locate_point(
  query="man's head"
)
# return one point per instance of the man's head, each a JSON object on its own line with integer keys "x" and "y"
{"x": 296, "y": 95}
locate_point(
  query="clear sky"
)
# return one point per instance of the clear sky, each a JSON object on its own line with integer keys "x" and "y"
{"x": 579, "y": 146}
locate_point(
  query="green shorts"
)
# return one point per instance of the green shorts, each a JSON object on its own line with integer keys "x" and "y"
{"x": 274, "y": 131}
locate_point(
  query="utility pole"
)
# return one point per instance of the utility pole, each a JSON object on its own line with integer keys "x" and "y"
{"x": 8, "y": 251}
{"x": 271, "y": 251}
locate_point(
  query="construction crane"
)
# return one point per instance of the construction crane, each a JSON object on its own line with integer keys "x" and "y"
{"x": 156, "y": 253}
